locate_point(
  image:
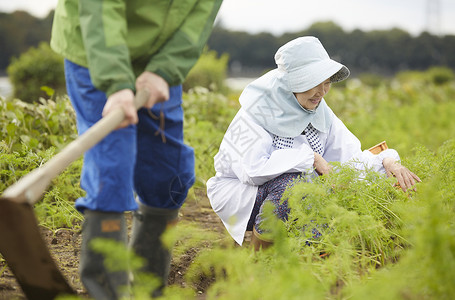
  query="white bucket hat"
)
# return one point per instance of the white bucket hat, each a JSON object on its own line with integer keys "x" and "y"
{"x": 306, "y": 64}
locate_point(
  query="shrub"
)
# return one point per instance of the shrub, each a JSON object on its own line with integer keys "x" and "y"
{"x": 34, "y": 69}
{"x": 372, "y": 79}
{"x": 434, "y": 75}
{"x": 209, "y": 72}
{"x": 440, "y": 75}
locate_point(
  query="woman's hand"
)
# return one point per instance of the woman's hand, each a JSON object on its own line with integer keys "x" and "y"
{"x": 406, "y": 179}
{"x": 321, "y": 165}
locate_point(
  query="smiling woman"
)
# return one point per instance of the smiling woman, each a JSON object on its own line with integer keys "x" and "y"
{"x": 285, "y": 131}
{"x": 311, "y": 99}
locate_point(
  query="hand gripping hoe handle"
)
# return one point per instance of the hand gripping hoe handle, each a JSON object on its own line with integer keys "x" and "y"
{"x": 21, "y": 243}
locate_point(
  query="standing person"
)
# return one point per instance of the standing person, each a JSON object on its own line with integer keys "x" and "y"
{"x": 112, "y": 49}
{"x": 283, "y": 129}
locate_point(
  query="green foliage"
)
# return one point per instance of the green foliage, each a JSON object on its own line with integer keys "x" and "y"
{"x": 405, "y": 113}
{"x": 357, "y": 219}
{"x": 207, "y": 116}
{"x": 381, "y": 51}
{"x": 374, "y": 234}
{"x": 36, "y": 68}
{"x": 381, "y": 243}
{"x": 117, "y": 257}
{"x": 56, "y": 210}
{"x": 242, "y": 274}
{"x": 434, "y": 75}
{"x": 209, "y": 72}
{"x": 41, "y": 125}
{"x": 411, "y": 76}
{"x": 371, "y": 79}
{"x": 387, "y": 51}
{"x": 30, "y": 136}
{"x": 427, "y": 269}
{"x": 19, "y": 31}
{"x": 186, "y": 236}
{"x": 441, "y": 75}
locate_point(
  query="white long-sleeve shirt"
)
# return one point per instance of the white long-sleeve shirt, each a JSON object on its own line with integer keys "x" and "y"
{"x": 249, "y": 156}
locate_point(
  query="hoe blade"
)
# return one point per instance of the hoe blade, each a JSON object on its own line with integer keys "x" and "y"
{"x": 23, "y": 248}
{"x": 21, "y": 243}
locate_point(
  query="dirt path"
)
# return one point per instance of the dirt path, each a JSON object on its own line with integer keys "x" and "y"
{"x": 64, "y": 246}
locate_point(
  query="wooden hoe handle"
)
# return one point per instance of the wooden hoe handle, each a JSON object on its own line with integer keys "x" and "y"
{"x": 31, "y": 187}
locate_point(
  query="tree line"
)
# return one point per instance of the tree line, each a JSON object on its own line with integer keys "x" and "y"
{"x": 385, "y": 52}
{"x": 381, "y": 51}
{"x": 18, "y": 32}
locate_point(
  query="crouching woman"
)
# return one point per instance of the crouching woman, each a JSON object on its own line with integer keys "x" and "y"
{"x": 283, "y": 129}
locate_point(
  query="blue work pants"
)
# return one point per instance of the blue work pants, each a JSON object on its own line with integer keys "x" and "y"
{"x": 133, "y": 160}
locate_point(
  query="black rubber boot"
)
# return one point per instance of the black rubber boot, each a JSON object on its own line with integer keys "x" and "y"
{"x": 149, "y": 224}
{"x": 100, "y": 282}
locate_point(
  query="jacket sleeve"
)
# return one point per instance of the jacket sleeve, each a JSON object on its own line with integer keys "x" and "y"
{"x": 176, "y": 58}
{"x": 246, "y": 153}
{"x": 343, "y": 146}
{"x": 104, "y": 28}
{"x": 258, "y": 166}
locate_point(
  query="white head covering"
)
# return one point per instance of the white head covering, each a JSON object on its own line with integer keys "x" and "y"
{"x": 303, "y": 64}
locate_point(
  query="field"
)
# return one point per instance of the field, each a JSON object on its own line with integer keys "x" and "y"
{"x": 381, "y": 243}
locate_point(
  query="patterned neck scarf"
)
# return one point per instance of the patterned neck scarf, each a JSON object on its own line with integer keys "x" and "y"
{"x": 312, "y": 136}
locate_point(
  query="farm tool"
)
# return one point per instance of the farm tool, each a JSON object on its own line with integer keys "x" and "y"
{"x": 376, "y": 149}
{"x": 21, "y": 243}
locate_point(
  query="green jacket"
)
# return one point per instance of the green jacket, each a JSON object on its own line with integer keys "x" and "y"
{"x": 119, "y": 39}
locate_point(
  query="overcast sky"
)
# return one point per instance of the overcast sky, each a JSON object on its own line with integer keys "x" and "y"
{"x": 279, "y": 16}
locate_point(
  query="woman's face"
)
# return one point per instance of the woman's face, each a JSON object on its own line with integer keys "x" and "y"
{"x": 311, "y": 98}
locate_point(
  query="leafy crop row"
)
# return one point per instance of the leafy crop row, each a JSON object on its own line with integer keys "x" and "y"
{"x": 30, "y": 135}
{"x": 380, "y": 243}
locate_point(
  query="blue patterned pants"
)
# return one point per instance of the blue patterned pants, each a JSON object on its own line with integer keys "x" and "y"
{"x": 272, "y": 191}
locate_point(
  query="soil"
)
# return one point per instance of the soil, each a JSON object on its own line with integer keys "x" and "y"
{"x": 64, "y": 246}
